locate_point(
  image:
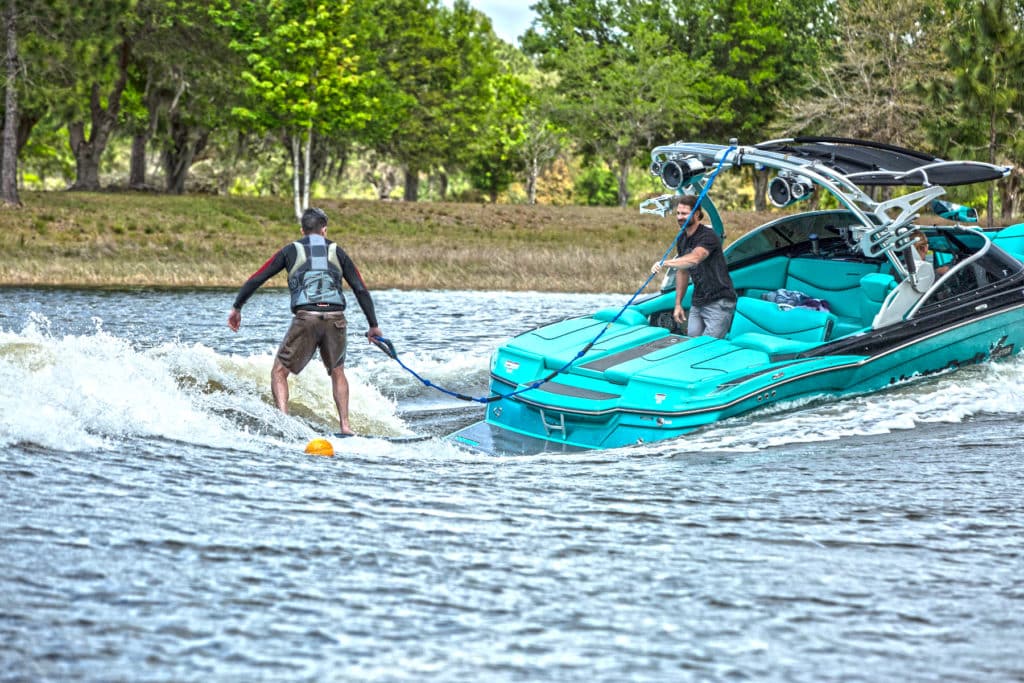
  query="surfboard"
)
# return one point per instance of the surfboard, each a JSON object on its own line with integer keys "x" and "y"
{"x": 406, "y": 438}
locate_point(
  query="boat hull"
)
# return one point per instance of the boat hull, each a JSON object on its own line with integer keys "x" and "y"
{"x": 684, "y": 384}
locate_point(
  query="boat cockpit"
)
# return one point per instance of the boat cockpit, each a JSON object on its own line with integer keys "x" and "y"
{"x": 819, "y": 255}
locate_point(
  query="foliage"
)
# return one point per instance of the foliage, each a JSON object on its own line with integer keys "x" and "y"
{"x": 176, "y": 99}
{"x": 302, "y": 74}
{"x": 352, "y": 95}
{"x": 438, "y": 68}
{"x": 886, "y": 51}
{"x": 98, "y": 42}
{"x": 757, "y": 54}
{"x": 493, "y": 162}
{"x": 597, "y": 186}
{"x": 621, "y": 86}
{"x": 987, "y": 60}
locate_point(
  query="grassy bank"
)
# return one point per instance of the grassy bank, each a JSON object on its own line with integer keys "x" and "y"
{"x": 131, "y": 239}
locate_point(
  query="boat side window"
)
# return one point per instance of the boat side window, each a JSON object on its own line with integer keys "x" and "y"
{"x": 998, "y": 264}
{"x": 993, "y": 266}
{"x": 959, "y": 282}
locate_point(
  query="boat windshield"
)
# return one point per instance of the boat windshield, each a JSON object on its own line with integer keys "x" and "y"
{"x": 826, "y": 233}
{"x": 967, "y": 270}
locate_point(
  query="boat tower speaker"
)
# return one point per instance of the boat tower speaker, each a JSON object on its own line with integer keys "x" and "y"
{"x": 785, "y": 190}
{"x": 676, "y": 172}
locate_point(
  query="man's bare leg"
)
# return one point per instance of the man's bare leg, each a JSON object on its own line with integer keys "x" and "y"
{"x": 279, "y": 385}
{"x": 339, "y": 385}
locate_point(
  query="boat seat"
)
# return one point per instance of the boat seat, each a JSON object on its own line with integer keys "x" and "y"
{"x": 771, "y": 345}
{"x": 835, "y": 282}
{"x": 874, "y": 287}
{"x": 765, "y": 317}
{"x": 628, "y": 316}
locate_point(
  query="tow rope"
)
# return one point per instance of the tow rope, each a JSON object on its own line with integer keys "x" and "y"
{"x": 388, "y": 347}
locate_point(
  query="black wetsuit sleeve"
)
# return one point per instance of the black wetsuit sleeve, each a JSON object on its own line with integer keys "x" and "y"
{"x": 355, "y": 281}
{"x": 274, "y": 265}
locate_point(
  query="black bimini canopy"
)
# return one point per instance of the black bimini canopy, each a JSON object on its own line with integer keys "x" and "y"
{"x": 874, "y": 163}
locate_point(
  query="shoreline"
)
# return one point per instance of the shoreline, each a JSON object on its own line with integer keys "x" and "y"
{"x": 123, "y": 241}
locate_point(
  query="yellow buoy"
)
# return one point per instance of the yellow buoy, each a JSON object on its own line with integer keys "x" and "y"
{"x": 320, "y": 447}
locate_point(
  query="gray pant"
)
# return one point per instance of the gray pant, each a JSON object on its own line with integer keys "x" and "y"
{"x": 713, "y": 319}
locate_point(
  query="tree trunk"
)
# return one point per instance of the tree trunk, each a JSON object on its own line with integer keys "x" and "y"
{"x": 186, "y": 143}
{"x": 531, "y": 181}
{"x": 87, "y": 160}
{"x": 26, "y": 122}
{"x": 9, "y": 173}
{"x": 1009, "y": 191}
{"x": 442, "y": 185}
{"x": 412, "y": 185}
{"x": 296, "y": 182}
{"x": 177, "y": 165}
{"x": 760, "y": 190}
{"x": 140, "y": 140}
{"x": 137, "y": 165}
{"x": 383, "y": 180}
{"x": 992, "y": 146}
{"x": 87, "y": 151}
{"x": 623, "y": 180}
{"x": 307, "y": 180}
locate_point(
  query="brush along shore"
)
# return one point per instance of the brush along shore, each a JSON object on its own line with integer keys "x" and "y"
{"x": 113, "y": 240}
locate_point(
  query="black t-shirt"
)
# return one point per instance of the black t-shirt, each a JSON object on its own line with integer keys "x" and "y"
{"x": 710, "y": 277}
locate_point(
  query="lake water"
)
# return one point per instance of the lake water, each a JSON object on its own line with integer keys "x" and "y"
{"x": 160, "y": 522}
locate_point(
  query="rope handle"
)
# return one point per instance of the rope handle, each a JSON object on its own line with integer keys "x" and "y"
{"x": 385, "y": 345}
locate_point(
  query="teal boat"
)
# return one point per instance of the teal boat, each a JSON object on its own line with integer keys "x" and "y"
{"x": 879, "y": 313}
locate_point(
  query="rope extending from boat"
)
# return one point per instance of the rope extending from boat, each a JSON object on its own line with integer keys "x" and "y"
{"x": 388, "y": 347}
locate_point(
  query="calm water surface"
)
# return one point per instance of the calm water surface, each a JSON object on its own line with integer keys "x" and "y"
{"x": 159, "y": 521}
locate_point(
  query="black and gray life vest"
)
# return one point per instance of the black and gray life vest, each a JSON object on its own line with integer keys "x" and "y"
{"x": 315, "y": 278}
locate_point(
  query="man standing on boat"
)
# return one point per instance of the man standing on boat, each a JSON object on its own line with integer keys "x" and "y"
{"x": 700, "y": 258}
{"x": 316, "y": 267}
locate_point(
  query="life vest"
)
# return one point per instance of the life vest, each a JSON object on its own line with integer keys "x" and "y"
{"x": 315, "y": 277}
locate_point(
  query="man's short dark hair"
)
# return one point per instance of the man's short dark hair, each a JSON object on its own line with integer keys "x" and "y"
{"x": 691, "y": 201}
{"x": 313, "y": 220}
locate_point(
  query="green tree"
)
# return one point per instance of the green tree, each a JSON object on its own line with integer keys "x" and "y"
{"x": 41, "y": 51}
{"x": 436, "y": 67}
{"x": 494, "y": 161}
{"x": 759, "y": 55}
{"x": 759, "y": 52}
{"x": 101, "y": 36}
{"x": 986, "y": 57}
{"x": 542, "y": 140}
{"x": 172, "y": 96}
{"x": 302, "y": 77}
{"x": 496, "y": 155}
{"x": 621, "y": 86}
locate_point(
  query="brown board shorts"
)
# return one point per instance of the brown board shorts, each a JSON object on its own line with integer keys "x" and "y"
{"x": 310, "y": 331}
